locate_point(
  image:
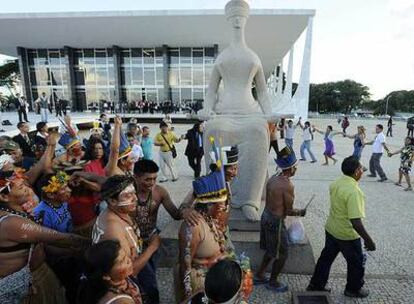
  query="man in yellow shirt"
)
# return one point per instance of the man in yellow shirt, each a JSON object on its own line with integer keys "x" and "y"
{"x": 344, "y": 230}
{"x": 166, "y": 140}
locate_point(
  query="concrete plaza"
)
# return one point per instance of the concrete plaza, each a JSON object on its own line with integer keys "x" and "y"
{"x": 389, "y": 217}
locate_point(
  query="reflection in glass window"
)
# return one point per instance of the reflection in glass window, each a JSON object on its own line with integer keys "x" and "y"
{"x": 185, "y": 76}
{"x": 173, "y": 76}
{"x": 137, "y": 76}
{"x": 198, "y": 77}
{"x": 149, "y": 76}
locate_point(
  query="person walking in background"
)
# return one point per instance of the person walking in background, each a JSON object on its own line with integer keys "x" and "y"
{"x": 43, "y": 104}
{"x": 290, "y": 133}
{"x": 146, "y": 143}
{"x": 21, "y": 106}
{"x": 407, "y": 158}
{"x": 165, "y": 140}
{"x": 410, "y": 127}
{"x": 343, "y": 232}
{"x": 194, "y": 150}
{"x": 281, "y": 128}
{"x": 389, "y": 127}
{"x": 307, "y": 139}
{"x": 378, "y": 145}
{"x": 345, "y": 124}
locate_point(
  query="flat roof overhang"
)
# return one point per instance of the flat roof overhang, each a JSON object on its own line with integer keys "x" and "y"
{"x": 269, "y": 32}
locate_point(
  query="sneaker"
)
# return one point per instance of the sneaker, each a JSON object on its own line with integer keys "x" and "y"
{"x": 382, "y": 179}
{"x": 371, "y": 175}
{"x": 175, "y": 179}
{"x": 314, "y": 288}
{"x": 362, "y": 293}
{"x": 313, "y": 161}
{"x": 163, "y": 180}
{"x": 302, "y": 159}
{"x": 1, "y": 130}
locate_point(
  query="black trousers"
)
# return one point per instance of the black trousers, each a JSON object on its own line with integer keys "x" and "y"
{"x": 22, "y": 112}
{"x": 355, "y": 260}
{"x": 195, "y": 163}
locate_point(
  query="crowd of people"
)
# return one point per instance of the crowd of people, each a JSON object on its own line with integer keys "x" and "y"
{"x": 78, "y": 218}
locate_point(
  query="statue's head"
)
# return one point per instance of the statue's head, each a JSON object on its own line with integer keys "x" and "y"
{"x": 237, "y": 12}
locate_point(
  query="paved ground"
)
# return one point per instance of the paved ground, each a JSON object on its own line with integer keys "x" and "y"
{"x": 389, "y": 210}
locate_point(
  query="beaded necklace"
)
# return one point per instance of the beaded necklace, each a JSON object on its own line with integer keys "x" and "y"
{"x": 143, "y": 215}
{"x": 218, "y": 233}
{"x": 19, "y": 213}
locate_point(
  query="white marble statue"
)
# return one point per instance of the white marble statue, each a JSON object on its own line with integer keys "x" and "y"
{"x": 238, "y": 118}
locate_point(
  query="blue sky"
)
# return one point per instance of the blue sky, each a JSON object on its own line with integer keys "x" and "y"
{"x": 370, "y": 41}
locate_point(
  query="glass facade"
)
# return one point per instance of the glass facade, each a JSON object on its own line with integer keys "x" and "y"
{"x": 142, "y": 74}
{"x": 48, "y": 73}
{"x": 94, "y": 77}
{"x": 189, "y": 72}
{"x": 153, "y": 74}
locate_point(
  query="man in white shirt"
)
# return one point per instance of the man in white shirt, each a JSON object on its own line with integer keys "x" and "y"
{"x": 307, "y": 140}
{"x": 289, "y": 133}
{"x": 378, "y": 146}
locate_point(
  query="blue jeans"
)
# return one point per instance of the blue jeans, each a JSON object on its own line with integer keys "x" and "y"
{"x": 306, "y": 145}
{"x": 355, "y": 260}
{"x": 147, "y": 281}
{"x": 289, "y": 142}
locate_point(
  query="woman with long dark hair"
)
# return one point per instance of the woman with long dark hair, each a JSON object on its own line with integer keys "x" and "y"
{"x": 108, "y": 274}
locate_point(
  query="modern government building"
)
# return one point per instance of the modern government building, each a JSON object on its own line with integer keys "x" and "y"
{"x": 128, "y": 56}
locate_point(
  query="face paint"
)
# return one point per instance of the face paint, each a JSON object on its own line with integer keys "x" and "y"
{"x": 127, "y": 197}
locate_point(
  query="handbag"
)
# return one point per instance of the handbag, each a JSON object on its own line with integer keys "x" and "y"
{"x": 172, "y": 149}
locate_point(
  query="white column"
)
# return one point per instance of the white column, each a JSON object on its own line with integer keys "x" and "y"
{"x": 301, "y": 97}
{"x": 279, "y": 90}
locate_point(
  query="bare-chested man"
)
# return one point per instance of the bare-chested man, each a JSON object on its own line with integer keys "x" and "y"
{"x": 150, "y": 197}
{"x": 280, "y": 196}
{"x": 115, "y": 222}
{"x": 230, "y": 163}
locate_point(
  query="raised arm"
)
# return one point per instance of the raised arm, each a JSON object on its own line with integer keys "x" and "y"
{"x": 44, "y": 165}
{"x": 112, "y": 164}
{"x": 261, "y": 90}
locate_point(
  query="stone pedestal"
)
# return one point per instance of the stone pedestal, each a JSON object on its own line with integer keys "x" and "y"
{"x": 300, "y": 259}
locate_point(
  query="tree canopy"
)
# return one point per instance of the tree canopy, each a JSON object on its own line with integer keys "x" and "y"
{"x": 9, "y": 74}
{"x": 341, "y": 96}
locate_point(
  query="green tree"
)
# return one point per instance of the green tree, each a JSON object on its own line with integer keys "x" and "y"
{"x": 341, "y": 96}
{"x": 398, "y": 101}
{"x": 9, "y": 75}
